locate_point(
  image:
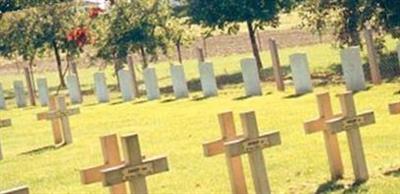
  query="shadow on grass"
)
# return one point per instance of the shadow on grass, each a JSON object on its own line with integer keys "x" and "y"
{"x": 393, "y": 172}
{"x": 296, "y": 95}
{"x": 140, "y": 101}
{"x": 355, "y": 188}
{"x": 329, "y": 186}
{"x": 334, "y": 186}
{"x": 40, "y": 150}
{"x": 201, "y": 98}
{"x": 117, "y": 102}
{"x": 169, "y": 100}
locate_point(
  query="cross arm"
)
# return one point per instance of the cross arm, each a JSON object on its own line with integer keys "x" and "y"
{"x": 337, "y": 125}
{"x": 317, "y": 124}
{"x": 93, "y": 174}
{"x": 313, "y": 126}
{"x": 213, "y": 148}
{"x": 243, "y": 145}
{"x": 5, "y": 123}
{"x": 121, "y": 173}
{"x": 57, "y": 114}
{"x": 394, "y": 108}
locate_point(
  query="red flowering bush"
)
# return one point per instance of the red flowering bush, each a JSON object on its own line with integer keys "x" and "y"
{"x": 94, "y": 12}
{"x": 80, "y": 36}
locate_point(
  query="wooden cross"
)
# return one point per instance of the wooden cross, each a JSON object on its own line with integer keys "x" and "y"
{"x": 112, "y": 157}
{"x": 18, "y": 190}
{"x": 252, "y": 144}
{"x": 350, "y": 122}
{"x": 134, "y": 170}
{"x": 235, "y": 167}
{"x": 394, "y": 108}
{"x": 5, "y": 123}
{"x": 58, "y": 115}
{"x": 331, "y": 141}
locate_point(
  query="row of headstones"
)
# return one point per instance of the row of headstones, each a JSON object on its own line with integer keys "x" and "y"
{"x": 134, "y": 169}
{"x": 351, "y": 64}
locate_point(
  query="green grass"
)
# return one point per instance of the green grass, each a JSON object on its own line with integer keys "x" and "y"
{"x": 178, "y": 129}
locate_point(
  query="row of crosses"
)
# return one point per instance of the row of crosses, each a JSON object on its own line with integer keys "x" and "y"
{"x": 132, "y": 167}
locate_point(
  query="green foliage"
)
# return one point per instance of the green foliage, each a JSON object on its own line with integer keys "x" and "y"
{"x": 347, "y": 18}
{"x": 33, "y": 30}
{"x": 388, "y": 16}
{"x": 132, "y": 26}
{"x": 219, "y": 14}
{"x": 15, "y": 5}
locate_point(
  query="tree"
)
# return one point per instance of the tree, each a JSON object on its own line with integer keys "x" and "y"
{"x": 137, "y": 27}
{"x": 229, "y": 13}
{"x": 35, "y": 28}
{"x": 178, "y": 34}
{"x": 350, "y": 17}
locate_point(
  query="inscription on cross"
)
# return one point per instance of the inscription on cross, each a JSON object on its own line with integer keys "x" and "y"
{"x": 58, "y": 115}
{"x": 235, "y": 167}
{"x": 252, "y": 144}
{"x": 112, "y": 157}
{"x": 135, "y": 169}
{"x": 331, "y": 140}
{"x": 350, "y": 122}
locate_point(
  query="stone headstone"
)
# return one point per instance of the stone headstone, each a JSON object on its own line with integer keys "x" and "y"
{"x": 207, "y": 79}
{"x": 74, "y": 89}
{"x": 126, "y": 85}
{"x": 179, "y": 81}
{"x": 301, "y": 73}
{"x": 352, "y": 69}
{"x": 43, "y": 91}
{"x": 2, "y": 98}
{"x": 251, "y": 77}
{"x": 101, "y": 89}
{"x": 398, "y": 52}
{"x": 151, "y": 83}
{"x": 20, "y": 97}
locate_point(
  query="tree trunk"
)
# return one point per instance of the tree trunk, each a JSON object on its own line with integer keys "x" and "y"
{"x": 117, "y": 66}
{"x": 144, "y": 57}
{"x": 178, "y": 49}
{"x": 29, "y": 83}
{"x": 253, "y": 39}
{"x": 131, "y": 68}
{"x": 205, "y": 47}
{"x": 59, "y": 65}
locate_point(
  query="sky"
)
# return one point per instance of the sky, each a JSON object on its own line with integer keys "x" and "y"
{"x": 102, "y": 3}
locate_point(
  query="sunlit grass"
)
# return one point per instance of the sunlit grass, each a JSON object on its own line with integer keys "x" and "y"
{"x": 178, "y": 129}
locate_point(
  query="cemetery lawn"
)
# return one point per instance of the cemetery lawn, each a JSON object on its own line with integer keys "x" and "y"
{"x": 179, "y": 128}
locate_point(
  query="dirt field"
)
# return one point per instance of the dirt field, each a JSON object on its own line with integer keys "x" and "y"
{"x": 221, "y": 45}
